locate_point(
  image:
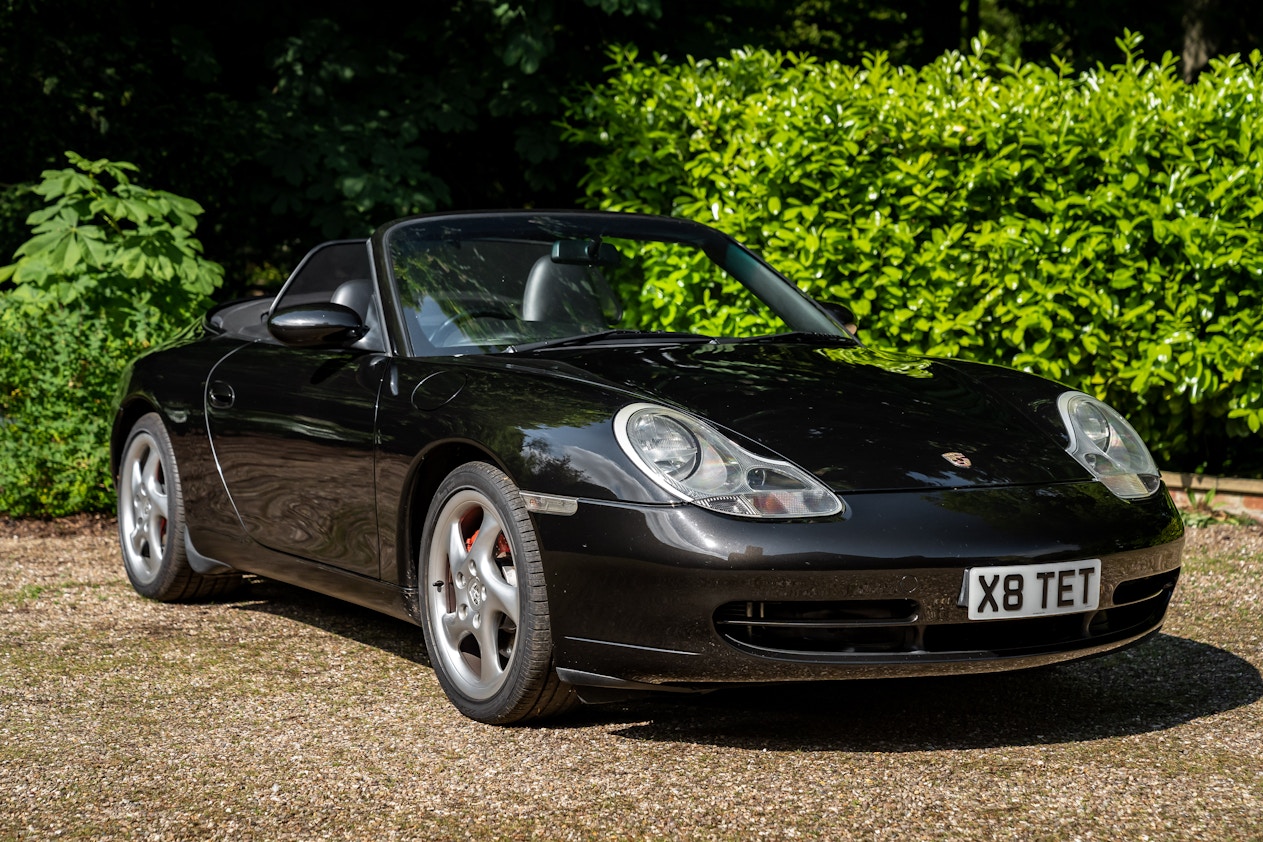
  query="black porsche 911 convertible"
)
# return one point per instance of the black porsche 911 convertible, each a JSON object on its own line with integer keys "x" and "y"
{"x": 593, "y": 454}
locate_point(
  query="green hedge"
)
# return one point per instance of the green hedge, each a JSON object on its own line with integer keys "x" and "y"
{"x": 1100, "y": 229}
{"x": 111, "y": 267}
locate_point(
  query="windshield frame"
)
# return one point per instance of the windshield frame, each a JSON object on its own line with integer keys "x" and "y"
{"x": 774, "y": 290}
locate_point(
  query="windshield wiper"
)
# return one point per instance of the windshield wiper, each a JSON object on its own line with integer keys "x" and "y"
{"x": 620, "y": 337}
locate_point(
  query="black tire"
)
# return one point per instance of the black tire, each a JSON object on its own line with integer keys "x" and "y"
{"x": 151, "y": 520}
{"x": 482, "y": 591}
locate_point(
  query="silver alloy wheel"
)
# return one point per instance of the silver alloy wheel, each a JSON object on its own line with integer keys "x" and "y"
{"x": 144, "y": 507}
{"x": 473, "y": 594}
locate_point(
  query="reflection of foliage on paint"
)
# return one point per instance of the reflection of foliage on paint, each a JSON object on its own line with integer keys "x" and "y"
{"x": 894, "y": 363}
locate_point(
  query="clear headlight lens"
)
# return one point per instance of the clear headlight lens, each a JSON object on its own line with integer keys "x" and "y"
{"x": 1104, "y": 443}
{"x": 697, "y": 463}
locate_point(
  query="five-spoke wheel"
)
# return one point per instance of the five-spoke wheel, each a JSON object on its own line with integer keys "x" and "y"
{"x": 144, "y": 507}
{"x": 151, "y": 519}
{"x": 484, "y": 603}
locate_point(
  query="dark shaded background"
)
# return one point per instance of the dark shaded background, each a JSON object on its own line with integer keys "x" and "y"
{"x": 298, "y": 121}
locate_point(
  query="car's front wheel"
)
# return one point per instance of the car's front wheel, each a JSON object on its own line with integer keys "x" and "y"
{"x": 151, "y": 520}
{"x": 483, "y": 601}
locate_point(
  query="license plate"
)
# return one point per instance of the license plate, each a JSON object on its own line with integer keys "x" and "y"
{"x": 1033, "y": 590}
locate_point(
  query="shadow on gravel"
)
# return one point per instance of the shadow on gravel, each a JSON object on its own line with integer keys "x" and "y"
{"x": 335, "y": 616}
{"x": 1158, "y": 685}
{"x": 1163, "y": 683}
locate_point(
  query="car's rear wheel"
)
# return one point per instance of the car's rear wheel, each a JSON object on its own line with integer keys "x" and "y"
{"x": 483, "y": 601}
{"x": 151, "y": 520}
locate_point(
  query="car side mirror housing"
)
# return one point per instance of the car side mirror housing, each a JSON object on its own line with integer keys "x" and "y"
{"x": 314, "y": 325}
{"x": 843, "y": 315}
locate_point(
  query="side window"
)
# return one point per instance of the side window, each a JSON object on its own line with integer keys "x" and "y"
{"x": 337, "y": 272}
{"x": 323, "y": 270}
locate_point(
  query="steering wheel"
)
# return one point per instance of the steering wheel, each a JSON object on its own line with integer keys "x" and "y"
{"x": 452, "y": 324}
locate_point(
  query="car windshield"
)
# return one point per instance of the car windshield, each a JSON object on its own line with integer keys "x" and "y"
{"x": 519, "y": 281}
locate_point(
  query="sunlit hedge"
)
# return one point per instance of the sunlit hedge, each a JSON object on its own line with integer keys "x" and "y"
{"x": 111, "y": 267}
{"x": 1101, "y": 229}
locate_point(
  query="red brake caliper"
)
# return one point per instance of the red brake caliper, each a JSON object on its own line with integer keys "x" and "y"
{"x": 502, "y": 545}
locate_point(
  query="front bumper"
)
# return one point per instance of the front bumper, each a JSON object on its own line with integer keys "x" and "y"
{"x": 675, "y": 596}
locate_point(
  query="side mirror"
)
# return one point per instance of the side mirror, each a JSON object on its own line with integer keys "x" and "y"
{"x": 843, "y": 315}
{"x": 313, "y": 325}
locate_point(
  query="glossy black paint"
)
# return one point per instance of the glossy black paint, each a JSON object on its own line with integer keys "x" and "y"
{"x": 861, "y": 419}
{"x": 284, "y": 437}
{"x": 909, "y": 546}
{"x": 315, "y": 466}
{"x": 318, "y": 325}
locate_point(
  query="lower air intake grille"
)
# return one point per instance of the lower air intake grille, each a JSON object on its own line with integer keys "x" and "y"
{"x": 821, "y": 627}
{"x": 836, "y": 630}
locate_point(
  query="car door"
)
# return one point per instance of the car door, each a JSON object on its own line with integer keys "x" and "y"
{"x": 292, "y": 429}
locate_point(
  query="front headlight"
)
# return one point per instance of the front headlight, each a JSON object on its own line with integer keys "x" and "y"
{"x": 1104, "y": 443}
{"x": 697, "y": 463}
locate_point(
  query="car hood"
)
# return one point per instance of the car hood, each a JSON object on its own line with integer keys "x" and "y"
{"x": 859, "y": 419}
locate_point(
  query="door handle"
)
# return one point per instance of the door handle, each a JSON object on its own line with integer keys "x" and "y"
{"x": 220, "y": 395}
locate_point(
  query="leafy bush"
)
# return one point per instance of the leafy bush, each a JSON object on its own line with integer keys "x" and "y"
{"x": 1102, "y": 229}
{"x": 111, "y": 268}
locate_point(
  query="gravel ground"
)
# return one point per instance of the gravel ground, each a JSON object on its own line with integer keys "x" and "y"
{"x": 279, "y": 714}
